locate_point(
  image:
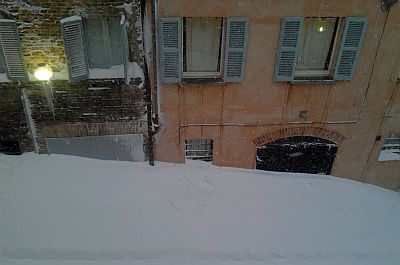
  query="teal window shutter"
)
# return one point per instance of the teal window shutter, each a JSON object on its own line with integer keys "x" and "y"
{"x": 289, "y": 40}
{"x": 12, "y": 50}
{"x": 235, "y": 51}
{"x": 353, "y": 35}
{"x": 170, "y": 45}
{"x": 74, "y": 45}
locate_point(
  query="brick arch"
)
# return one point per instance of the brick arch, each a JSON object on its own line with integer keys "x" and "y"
{"x": 299, "y": 131}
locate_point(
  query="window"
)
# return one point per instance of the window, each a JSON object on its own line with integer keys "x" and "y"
{"x": 105, "y": 47}
{"x": 199, "y": 149}
{"x": 95, "y": 47}
{"x": 198, "y": 48}
{"x": 391, "y": 148}
{"x": 12, "y": 65}
{"x": 202, "y": 49}
{"x": 319, "y": 48}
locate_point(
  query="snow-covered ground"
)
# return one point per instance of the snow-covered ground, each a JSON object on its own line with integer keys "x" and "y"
{"x": 64, "y": 210}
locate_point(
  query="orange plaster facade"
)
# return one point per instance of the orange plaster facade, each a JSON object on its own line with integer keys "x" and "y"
{"x": 235, "y": 115}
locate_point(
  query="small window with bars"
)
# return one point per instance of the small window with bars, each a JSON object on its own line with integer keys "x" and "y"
{"x": 199, "y": 149}
{"x": 391, "y": 148}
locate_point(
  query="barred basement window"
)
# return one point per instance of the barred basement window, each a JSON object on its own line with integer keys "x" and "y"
{"x": 391, "y": 148}
{"x": 199, "y": 149}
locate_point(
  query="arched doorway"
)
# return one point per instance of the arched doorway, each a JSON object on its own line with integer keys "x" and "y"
{"x": 301, "y": 154}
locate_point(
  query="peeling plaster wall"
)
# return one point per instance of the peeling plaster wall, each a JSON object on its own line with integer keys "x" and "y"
{"x": 234, "y": 114}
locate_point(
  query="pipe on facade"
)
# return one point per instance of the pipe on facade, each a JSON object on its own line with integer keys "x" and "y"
{"x": 147, "y": 86}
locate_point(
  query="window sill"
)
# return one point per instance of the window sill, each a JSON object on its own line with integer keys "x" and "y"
{"x": 312, "y": 81}
{"x": 202, "y": 81}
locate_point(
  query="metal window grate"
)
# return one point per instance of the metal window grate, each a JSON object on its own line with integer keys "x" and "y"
{"x": 392, "y": 142}
{"x": 199, "y": 149}
{"x": 390, "y": 148}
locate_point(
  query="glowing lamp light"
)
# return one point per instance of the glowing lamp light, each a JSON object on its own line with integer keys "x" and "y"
{"x": 43, "y": 73}
{"x": 321, "y": 25}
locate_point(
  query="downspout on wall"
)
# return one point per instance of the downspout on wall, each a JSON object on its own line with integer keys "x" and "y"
{"x": 148, "y": 86}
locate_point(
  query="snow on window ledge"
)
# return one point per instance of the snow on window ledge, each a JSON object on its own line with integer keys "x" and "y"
{"x": 388, "y": 155}
{"x": 116, "y": 71}
{"x": 4, "y": 78}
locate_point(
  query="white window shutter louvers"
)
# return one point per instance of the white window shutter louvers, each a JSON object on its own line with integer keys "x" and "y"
{"x": 286, "y": 60}
{"x": 170, "y": 45}
{"x": 12, "y": 50}
{"x": 350, "y": 46}
{"x": 74, "y": 45}
{"x": 235, "y": 51}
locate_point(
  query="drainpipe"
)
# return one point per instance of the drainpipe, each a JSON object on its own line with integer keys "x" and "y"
{"x": 148, "y": 90}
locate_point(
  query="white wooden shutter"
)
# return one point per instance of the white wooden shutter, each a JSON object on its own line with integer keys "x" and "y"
{"x": 235, "y": 51}
{"x": 286, "y": 60}
{"x": 350, "y": 46}
{"x": 170, "y": 45}
{"x": 12, "y": 50}
{"x": 74, "y": 45}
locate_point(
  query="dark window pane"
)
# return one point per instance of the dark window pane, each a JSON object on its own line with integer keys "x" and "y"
{"x": 116, "y": 39}
{"x": 96, "y": 43}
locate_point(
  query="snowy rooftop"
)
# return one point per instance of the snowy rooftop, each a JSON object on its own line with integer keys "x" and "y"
{"x": 68, "y": 210}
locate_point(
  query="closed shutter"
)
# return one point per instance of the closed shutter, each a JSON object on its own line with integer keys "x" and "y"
{"x": 235, "y": 52}
{"x": 288, "y": 48}
{"x": 12, "y": 50}
{"x": 170, "y": 39}
{"x": 353, "y": 36}
{"x": 74, "y": 45}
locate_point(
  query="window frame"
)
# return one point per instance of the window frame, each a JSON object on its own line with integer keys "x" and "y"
{"x": 311, "y": 75}
{"x": 386, "y": 147}
{"x": 207, "y": 154}
{"x": 205, "y": 75}
{"x": 96, "y": 72}
{"x": 351, "y": 45}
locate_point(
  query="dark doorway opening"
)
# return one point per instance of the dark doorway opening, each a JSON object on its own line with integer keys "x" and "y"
{"x": 300, "y": 154}
{"x": 10, "y": 148}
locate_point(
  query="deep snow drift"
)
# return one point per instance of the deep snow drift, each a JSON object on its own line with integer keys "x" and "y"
{"x": 68, "y": 210}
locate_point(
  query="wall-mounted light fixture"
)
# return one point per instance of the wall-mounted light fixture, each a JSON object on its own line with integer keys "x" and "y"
{"x": 43, "y": 72}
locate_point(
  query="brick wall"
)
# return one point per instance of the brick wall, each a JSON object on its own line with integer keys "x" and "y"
{"x": 13, "y": 125}
{"x": 73, "y": 109}
{"x": 38, "y": 23}
{"x": 85, "y": 104}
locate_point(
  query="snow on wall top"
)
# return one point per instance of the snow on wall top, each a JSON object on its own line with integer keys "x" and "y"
{"x": 69, "y": 19}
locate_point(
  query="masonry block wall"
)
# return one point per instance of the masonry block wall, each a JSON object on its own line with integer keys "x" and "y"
{"x": 61, "y": 109}
{"x": 13, "y": 126}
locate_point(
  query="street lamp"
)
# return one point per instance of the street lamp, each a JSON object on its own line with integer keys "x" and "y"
{"x": 43, "y": 72}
